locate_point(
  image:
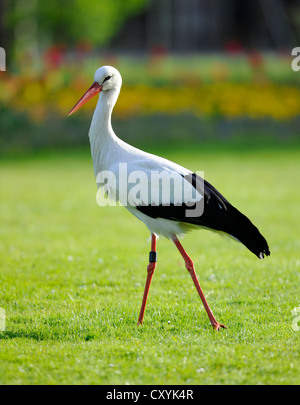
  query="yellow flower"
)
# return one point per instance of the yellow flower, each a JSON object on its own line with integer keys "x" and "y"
{"x": 223, "y": 98}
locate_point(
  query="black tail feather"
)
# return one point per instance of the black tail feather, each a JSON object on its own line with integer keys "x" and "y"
{"x": 241, "y": 228}
{"x": 224, "y": 217}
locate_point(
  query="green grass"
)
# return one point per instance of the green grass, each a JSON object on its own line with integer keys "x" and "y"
{"x": 207, "y": 67}
{"x": 72, "y": 276}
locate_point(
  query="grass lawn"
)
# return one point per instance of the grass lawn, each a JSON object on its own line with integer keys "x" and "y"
{"x": 72, "y": 276}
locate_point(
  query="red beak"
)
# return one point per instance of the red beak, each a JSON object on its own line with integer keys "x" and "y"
{"x": 91, "y": 92}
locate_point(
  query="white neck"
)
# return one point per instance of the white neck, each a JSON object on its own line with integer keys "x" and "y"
{"x": 102, "y": 137}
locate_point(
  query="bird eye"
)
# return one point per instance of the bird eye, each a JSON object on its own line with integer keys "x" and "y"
{"x": 107, "y": 78}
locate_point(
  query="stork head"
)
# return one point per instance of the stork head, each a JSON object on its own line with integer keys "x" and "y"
{"x": 107, "y": 79}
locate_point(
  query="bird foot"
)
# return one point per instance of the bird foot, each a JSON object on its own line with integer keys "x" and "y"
{"x": 216, "y": 325}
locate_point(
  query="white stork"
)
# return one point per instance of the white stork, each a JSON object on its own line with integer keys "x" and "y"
{"x": 166, "y": 215}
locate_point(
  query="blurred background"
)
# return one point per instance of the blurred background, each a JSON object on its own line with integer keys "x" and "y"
{"x": 196, "y": 70}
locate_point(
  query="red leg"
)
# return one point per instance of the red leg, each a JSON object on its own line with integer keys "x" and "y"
{"x": 150, "y": 272}
{"x": 190, "y": 267}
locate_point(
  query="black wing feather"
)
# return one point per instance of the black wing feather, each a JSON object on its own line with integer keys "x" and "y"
{"x": 218, "y": 215}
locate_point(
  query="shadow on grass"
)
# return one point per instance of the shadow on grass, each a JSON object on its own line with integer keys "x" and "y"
{"x": 40, "y": 336}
